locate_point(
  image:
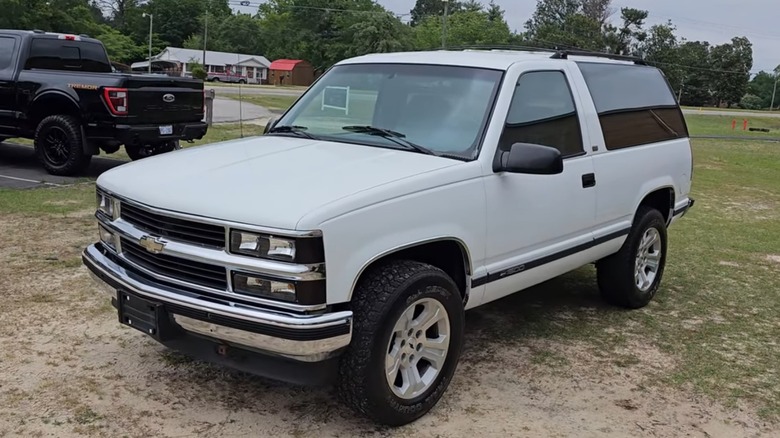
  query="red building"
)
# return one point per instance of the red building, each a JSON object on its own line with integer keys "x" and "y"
{"x": 291, "y": 72}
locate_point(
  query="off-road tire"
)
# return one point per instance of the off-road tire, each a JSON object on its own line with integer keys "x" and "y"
{"x": 616, "y": 273}
{"x": 69, "y": 129}
{"x": 380, "y": 297}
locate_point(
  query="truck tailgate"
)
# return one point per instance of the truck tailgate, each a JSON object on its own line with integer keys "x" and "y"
{"x": 161, "y": 100}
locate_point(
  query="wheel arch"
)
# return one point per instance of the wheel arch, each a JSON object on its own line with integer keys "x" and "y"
{"x": 52, "y": 102}
{"x": 661, "y": 198}
{"x": 449, "y": 254}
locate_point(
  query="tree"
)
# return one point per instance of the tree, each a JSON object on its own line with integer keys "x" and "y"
{"x": 695, "y": 57}
{"x": 598, "y": 10}
{"x": 424, "y": 9}
{"x": 731, "y": 64}
{"x": 630, "y": 36}
{"x": 463, "y": 28}
{"x": 763, "y": 85}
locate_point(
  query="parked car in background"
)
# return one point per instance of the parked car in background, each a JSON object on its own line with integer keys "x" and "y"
{"x": 63, "y": 92}
{"x": 398, "y": 192}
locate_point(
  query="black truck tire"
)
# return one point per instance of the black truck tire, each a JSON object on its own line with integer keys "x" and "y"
{"x": 392, "y": 294}
{"x": 148, "y": 150}
{"x": 641, "y": 259}
{"x": 59, "y": 145}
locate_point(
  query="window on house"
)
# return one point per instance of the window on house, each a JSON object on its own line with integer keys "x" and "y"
{"x": 543, "y": 112}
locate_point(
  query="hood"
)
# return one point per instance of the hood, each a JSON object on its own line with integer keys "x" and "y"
{"x": 270, "y": 181}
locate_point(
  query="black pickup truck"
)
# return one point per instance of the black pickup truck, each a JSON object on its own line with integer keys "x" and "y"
{"x": 60, "y": 91}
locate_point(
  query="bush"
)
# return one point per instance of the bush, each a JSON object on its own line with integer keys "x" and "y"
{"x": 199, "y": 73}
{"x": 751, "y": 102}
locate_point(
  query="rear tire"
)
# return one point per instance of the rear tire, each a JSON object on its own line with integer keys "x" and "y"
{"x": 59, "y": 145}
{"x": 630, "y": 278}
{"x": 392, "y": 306}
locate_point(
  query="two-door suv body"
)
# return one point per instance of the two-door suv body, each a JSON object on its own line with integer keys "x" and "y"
{"x": 399, "y": 191}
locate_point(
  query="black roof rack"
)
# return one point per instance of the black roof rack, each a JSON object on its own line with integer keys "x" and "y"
{"x": 564, "y": 54}
{"x": 557, "y": 53}
{"x": 501, "y": 47}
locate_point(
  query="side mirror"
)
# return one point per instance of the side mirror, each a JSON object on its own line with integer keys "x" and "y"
{"x": 529, "y": 158}
{"x": 271, "y": 123}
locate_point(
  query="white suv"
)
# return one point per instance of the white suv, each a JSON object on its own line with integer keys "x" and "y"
{"x": 399, "y": 191}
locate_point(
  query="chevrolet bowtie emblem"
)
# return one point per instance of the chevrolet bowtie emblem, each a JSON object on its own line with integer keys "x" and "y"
{"x": 152, "y": 244}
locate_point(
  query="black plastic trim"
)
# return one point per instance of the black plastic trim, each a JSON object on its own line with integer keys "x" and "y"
{"x": 517, "y": 269}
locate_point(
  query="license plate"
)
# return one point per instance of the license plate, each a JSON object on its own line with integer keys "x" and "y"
{"x": 166, "y": 130}
{"x": 143, "y": 315}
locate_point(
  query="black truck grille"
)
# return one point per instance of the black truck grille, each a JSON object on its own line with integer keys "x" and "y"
{"x": 176, "y": 268}
{"x": 179, "y": 229}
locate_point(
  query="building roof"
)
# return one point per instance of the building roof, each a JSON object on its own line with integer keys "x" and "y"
{"x": 177, "y": 54}
{"x": 285, "y": 64}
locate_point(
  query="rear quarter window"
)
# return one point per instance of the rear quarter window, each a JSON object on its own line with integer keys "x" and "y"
{"x": 7, "y": 48}
{"x": 635, "y": 104}
{"x": 56, "y": 54}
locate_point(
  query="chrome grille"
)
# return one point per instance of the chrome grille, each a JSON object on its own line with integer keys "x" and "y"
{"x": 174, "y": 228}
{"x": 176, "y": 268}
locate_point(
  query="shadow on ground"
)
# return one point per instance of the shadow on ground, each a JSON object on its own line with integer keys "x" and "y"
{"x": 19, "y": 168}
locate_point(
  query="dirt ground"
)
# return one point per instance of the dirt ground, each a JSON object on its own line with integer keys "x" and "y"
{"x": 67, "y": 368}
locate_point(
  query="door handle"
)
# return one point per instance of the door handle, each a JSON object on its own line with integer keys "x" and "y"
{"x": 588, "y": 180}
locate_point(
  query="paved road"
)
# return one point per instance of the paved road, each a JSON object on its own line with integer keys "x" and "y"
{"x": 732, "y": 113}
{"x": 20, "y": 169}
{"x": 268, "y": 91}
{"x": 229, "y": 110}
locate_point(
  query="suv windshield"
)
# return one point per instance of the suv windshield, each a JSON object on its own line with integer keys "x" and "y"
{"x": 421, "y": 108}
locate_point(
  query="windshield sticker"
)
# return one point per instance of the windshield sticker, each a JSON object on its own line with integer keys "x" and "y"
{"x": 336, "y": 98}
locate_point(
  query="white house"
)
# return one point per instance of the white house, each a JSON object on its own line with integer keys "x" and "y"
{"x": 176, "y": 61}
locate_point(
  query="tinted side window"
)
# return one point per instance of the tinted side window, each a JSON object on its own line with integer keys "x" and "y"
{"x": 543, "y": 112}
{"x": 634, "y": 103}
{"x": 7, "y": 45}
{"x": 51, "y": 54}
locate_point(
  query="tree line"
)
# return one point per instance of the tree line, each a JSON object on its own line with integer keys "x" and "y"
{"x": 326, "y": 31}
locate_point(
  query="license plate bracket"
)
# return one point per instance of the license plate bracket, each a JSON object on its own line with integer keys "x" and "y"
{"x": 144, "y": 315}
{"x": 166, "y": 130}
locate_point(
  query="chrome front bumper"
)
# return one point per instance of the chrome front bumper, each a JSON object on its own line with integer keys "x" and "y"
{"x": 307, "y": 338}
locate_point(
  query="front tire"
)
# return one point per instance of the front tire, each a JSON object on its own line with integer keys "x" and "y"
{"x": 630, "y": 278}
{"x": 59, "y": 146}
{"x": 407, "y": 341}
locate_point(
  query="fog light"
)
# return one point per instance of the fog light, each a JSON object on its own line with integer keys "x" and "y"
{"x": 261, "y": 287}
{"x": 107, "y": 237}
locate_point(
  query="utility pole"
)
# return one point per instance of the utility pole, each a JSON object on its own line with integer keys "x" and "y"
{"x": 774, "y": 91}
{"x": 444, "y": 25}
{"x": 205, "y": 36}
{"x": 151, "y": 29}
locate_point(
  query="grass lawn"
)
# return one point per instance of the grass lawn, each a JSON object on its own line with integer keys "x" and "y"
{"x": 721, "y": 125}
{"x": 274, "y": 103}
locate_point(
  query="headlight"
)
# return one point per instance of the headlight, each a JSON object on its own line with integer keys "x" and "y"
{"x": 302, "y": 292}
{"x": 107, "y": 237}
{"x": 299, "y": 250}
{"x": 105, "y": 204}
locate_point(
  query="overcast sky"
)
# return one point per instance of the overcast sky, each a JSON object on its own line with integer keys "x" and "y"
{"x": 716, "y": 21}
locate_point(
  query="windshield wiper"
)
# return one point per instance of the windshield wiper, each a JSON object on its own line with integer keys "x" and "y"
{"x": 292, "y": 129}
{"x": 391, "y": 135}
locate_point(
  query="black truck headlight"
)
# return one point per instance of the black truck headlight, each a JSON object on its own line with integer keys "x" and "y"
{"x": 306, "y": 250}
{"x": 300, "y": 292}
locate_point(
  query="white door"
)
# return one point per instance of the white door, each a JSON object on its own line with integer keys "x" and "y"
{"x": 538, "y": 225}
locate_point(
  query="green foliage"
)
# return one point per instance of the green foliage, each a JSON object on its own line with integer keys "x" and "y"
{"x": 750, "y": 101}
{"x": 463, "y": 28}
{"x": 198, "y": 72}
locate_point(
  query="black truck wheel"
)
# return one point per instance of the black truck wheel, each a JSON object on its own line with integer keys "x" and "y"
{"x": 148, "y": 150}
{"x": 630, "y": 277}
{"x": 408, "y": 335}
{"x": 59, "y": 146}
